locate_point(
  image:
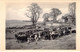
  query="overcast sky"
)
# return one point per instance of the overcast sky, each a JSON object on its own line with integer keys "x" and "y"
{"x": 16, "y": 11}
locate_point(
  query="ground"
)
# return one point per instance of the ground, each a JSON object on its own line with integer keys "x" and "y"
{"x": 65, "y": 42}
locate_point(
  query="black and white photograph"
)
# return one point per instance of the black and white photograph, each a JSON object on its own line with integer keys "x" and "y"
{"x": 40, "y": 25}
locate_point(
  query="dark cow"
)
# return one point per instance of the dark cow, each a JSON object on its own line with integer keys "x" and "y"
{"x": 43, "y": 34}
{"x": 60, "y": 32}
{"x": 47, "y": 35}
{"x": 54, "y": 34}
{"x": 73, "y": 31}
{"x": 66, "y": 31}
{"x": 21, "y": 37}
{"x": 69, "y": 29}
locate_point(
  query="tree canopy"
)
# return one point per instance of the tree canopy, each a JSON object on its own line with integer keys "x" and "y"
{"x": 34, "y": 11}
{"x": 54, "y": 13}
{"x": 45, "y": 16}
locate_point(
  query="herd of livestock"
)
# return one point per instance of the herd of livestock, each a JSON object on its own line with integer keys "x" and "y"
{"x": 46, "y": 34}
{"x": 31, "y": 35}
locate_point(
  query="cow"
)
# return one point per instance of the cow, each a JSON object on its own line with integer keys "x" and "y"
{"x": 46, "y": 34}
{"x": 29, "y": 39}
{"x": 73, "y": 31}
{"x": 21, "y": 37}
{"x": 36, "y": 38}
{"x": 65, "y": 31}
{"x": 54, "y": 34}
{"x": 69, "y": 29}
{"x": 59, "y": 32}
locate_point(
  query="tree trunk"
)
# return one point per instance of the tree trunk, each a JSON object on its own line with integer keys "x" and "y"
{"x": 33, "y": 21}
{"x": 54, "y": 19}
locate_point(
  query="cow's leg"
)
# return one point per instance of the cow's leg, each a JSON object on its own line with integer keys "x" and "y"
{"x": 59, "y": 35}
{"x": 39, "y": 36}
{"x": 28, "y": 41}
{"x": 18, "y": 41}
{"x": 51, "y": 37}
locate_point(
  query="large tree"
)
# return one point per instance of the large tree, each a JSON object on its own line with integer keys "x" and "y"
{"x": 34, "y": 12}
{"x": 54, "y": 13}
{"x": 45, "y": 16}
{"x": 72, "y": 11}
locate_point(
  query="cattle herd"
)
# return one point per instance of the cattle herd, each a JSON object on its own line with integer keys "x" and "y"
{"x": 46, "y": 34}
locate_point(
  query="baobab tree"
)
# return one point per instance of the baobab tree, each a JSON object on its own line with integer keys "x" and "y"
{"x": 34, "y": 12}
{"x": 45, "y": 16}
{"x": 54, "y": 13}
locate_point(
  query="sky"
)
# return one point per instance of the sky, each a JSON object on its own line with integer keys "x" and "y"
{"x": 17, "y": 11}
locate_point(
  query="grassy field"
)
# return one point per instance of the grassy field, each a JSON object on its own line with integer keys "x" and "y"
{"x": 67, "y": 42}
{"x": 18, "y": 23}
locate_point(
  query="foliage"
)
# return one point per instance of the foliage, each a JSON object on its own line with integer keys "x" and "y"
{"x": 45, "y": 16}
{"x": 34, "y": 11}
{"x": 54, "y": 13}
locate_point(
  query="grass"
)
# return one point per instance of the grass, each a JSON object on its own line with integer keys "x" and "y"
{"x": 64, "y": 43}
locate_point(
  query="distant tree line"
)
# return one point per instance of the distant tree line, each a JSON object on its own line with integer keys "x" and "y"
{"x": 34, "y": 12}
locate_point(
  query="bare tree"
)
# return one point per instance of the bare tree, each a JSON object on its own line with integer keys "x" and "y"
{"x": 72, "y": 11}
{"x": 54, "y": 13}
{"x": 45, "y": 16}
{"x": 34, "y": 12}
